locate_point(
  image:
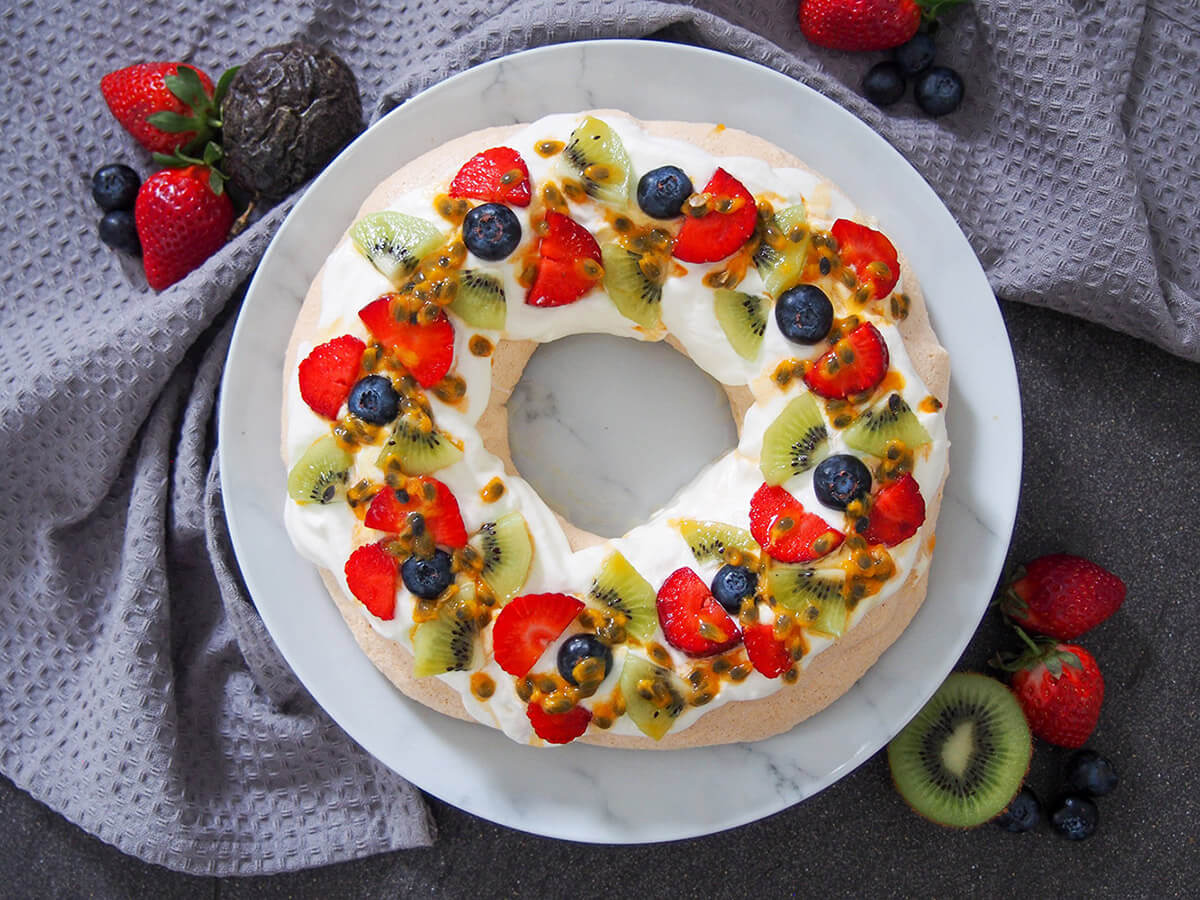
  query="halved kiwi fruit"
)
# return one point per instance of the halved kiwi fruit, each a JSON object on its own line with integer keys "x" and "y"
{"x": 417, "y": 452}
{"x": 795, "y": 442}
{"x": 891, "y": 420}
{"x": 962, "y": 759}
{"x": 394, "y": 242}
{"x": 619, "y": 586}
{"x": 653, "y": 696}
{"x": 595, "y": 153}
{"x": 816, "y": 595}
{"x": 480, "y": 300}
{"x": 781, "y": 263}
{"x": 321, "y": 473}
{"x": 507, "y": 552}
{"x": 743, "y": 318}
{"x": 635, "y": 296}
{"x": 711, "y": 541}
{"x": 447, "y": 643}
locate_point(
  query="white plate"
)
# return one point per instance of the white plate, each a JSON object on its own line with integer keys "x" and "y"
{"x": 588, "y": 793}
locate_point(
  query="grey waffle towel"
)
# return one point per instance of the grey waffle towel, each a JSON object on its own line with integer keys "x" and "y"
{"x": 142, "y": 697}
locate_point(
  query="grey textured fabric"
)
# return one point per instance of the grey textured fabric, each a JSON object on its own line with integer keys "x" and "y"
{"x": 142, "y": 697}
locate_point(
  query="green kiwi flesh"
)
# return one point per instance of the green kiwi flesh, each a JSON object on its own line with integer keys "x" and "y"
{"x": 394, "y": 242}
{"x": 635, "y": 296}
{"x": 710, "y": 541}
{"x": 507, "y": 552}
{"x": 594, "y": 143}
{"x": 619, "y": 585}
{"x": 416, "y": 453}
{"x": 480, "y": 301}
{"x": 781, "y": 269}
{"x": 795, "y": 442}
{"x": 817, "y": 595}
{"x": 891, "y": 420}
{"x": 321, "y": 473}
{"x": 653, "y": 720}
{"x": 447, "y": 643}
{"x": 743, "y": 318}
{"x": 962, "y": 759}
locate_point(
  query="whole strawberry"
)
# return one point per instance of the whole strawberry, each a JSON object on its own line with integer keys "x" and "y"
{"x": 865, "y": 24}
{"x": 1060, "y": 689}
{"x": 164, "y": 105}
{"x": 181, "y": 221}
{"x": 1061, "y": 596}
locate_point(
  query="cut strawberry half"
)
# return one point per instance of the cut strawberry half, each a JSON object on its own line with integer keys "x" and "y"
{"x": 498, "y": 175}
{"x": 563, "y": 274}
{"x": 527, "y": 626}
{"x": 767, "y": 653}
{"x": 427, "y": 351}
{"x": 863, "y": 249}
{"x": 692, "y": 620}
{"x": 896, "y": 513}
{"x": 856, "y": 363}
{"x": 329, "y": 372}
{"x": 371, "y": 577}
{"x": 389, "y": 510}
{"x": 717, "y": 234}
{"x": 558, "y": 728}
{"x": 781, "y": 526}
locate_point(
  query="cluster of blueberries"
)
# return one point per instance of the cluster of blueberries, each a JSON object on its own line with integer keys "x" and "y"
{"x": 1074, "y": 816}
{"x": 115, "y": 188}
{"x": 937, "y": 90}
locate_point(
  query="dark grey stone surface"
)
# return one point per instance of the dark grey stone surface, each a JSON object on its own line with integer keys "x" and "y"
{"x": 1112, "y": 435}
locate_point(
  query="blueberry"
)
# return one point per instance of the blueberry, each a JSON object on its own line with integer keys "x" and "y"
{"x": 1074, "y": 817}
{"x": 662, "y": 191}
{"x": 804, "y": 314}
{"x": 884, "y": 83}
{"x": 427, "y": 578}
{"x": 1090, "y": 773}
{"x": 840, "y": 479}
{"x": 1023, "y": 814}
{"x": 115, "y": 186}
{"x": 938, "y": 91}
{"x": 374, "y": 400}
{"x": 576, "y": 649}
{"x": 118, "y": 230}
{"x": 491, "y": 231}
{"x": 915, "y": 56}
{"x": 731, "y": 584}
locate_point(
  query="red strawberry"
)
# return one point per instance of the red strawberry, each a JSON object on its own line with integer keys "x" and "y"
{"x": 527, "y": 626}
{"x": 329, "y": 372}
{"x": 856, "y": 363}
{"x": 136, "y": 92}
{"x": 371, "y": 576}
{"x": 896, "y": 513}
{"x": 717, "y": 234}
{"x": 863, "y": 249}
{"x": 859, "y": 24}
{"x": 788, "y": 533}
{"x": 563, "y": 276}
{"x": 558, "y": 728}
{"x": 389, "y": 510}
{"x": 1062, "y": 596}
{"x": 692, "y": 619}
{"x": 498, "y": 175}
{"x": 180, "y": 221}
{"x": 1060, "y": 689}
{"x": 425, "y": 350}
{"x": 767, "y": 653}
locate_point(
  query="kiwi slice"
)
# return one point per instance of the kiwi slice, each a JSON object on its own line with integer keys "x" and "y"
{"x": 655, "y": 714}
{"x": 891, "y": 420}
{"x": 962, "y": 759}
{"x": 507, "y": 552}
{"x": 795, "y": 442}
{"x": 636, "y": 297}
{"x": 780, "y": 268}
{"x": 417, "y": 452}
{"x": 743, "y": 318}
{"x": 394, "y": 242}
{"x": 816, "y": 594}
{"x": 321, "y": 473}
{"x": 447, "y": 643}
{"x": 619, "y": 586}
{"x": 710, "y": 541}
{"x": 480, "y": 300}
{"x": 598, "y": 157}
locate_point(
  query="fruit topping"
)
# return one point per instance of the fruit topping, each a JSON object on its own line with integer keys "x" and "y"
{"x": 447, "y": 643}
{"x": 884, "y": 83}
{"x": 498, "y": 175}
{"x": 371, "y": 577}
{"x": 716, "y": 541}
{"x": 321, "y": 472}
{"x": 869, "y": 254}
{"x": 584, "y": 659}
{"x": 636, "y": 295}
{"x": 1074, "y": 817}
{"x": 1023, "y": 813}
{"x": 329, "y": 372}
{"x": 425, "y": 348}
{"x": 733, "y": 584}
{"x": 962, "y": 759}
{"x": 1090, "y": 773}
{"x": 916, "y": 55}
{"x": 897, "y": 511}
{"x": 491, "y": 231}
{"x": 1061, "y": 595}
{"x": 938, "y": 91}
{"x": 527, "y": 626}
{"x": 118, "y": 229}
{"x": 181, "y": 222}
{"x": 569, "y": 263}
{"x": 743, "y": 318}
{"x": 795, "y": 441}
{"x": 1060, "y": 688}
{"x": 661, "y": 192}
{"x": 841, "y": 479}
{"x": 427, "y": 578}
{"x": 818, "y": 595}
{"x": 856, "y": 363}
{"x": 781, "y": 254}
{"x": 374, "y": 400}
{"x": 507, "y": 552}
{"x": 619, "y": 586}
{"x": 413, "y": 450}
{"x": 558, "y": 728}
{"x": 394, "y": 242}
{"x": 788, "y": 533}
{"x": 692, "y": 620}
{"x": 139, "y": 95}
{"x": 876, "y": 428}
{"x": 653, "y": 696}
{"x": 596, "y": 154}
{"x": 769, "y": 655}
{"x": 392, "y": 508}
{"x": 480, "y": 300}
{"x": 115, "y": 186}
{"x": 718, "y": 221}
{"x": 804, "y": 314}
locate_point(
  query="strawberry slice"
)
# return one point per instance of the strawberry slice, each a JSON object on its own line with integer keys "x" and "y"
{"x": 371, "y": 576}
{"x": 498, "y": 175}
{"x": 788, "y": 533}
{"x": 856, "y": 363}
{"x": 717, "y": 234}
{"x": 862, "y": 248}
{"x": 527, "y": 626}
{"x": 562, "y": 276}
{"x": 425, "y": 350}
{"x": 692, "y": 620}
{"x": 389, "y": 510}
{"x": 329, "y": 372}
{"x": 767, "y": 654}
{"x": 896, "y": 513}
{"x": 558, "y": 728}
